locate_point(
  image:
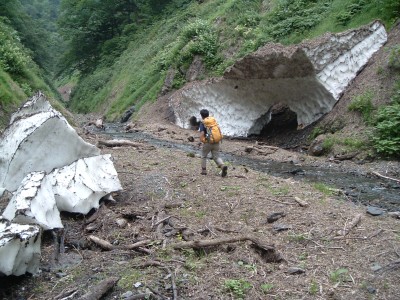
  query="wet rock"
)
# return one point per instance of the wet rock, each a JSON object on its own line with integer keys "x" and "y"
{"x": 275, "y": 217}
{"x": 295, "y": 271}
{"x": 375, "y": 211}
{"x": 316, "y": 148}
{"x": 281, "y": 227}
{"x": 127, "y": 114}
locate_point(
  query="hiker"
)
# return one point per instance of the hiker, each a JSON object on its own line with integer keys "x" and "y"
{"x": 210, "y": 136}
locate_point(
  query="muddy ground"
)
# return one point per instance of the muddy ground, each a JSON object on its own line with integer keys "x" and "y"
{"x": 309, "y": 252}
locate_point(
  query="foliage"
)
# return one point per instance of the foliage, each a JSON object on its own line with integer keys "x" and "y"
{"x": 12, "y": 57}
{"x": 294, "y": 17}
{"x": 313, "y": 289}
{"x": 352, "y": 9}
{"x": 339, "y": 275}
{"x": 363, "y": 104}
{"x": 238, "y": 287}
{"x": 394, "y": 58}
{"x": 267, "y": 287}
{"x": 387, "y": 130}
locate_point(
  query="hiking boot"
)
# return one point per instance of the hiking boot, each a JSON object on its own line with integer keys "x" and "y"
{"x": 203, "y": 172}
{"x": 224, "y": 171}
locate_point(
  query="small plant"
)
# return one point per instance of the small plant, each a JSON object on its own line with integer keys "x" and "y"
{"x": 251, "y": 267}
{"x": 238, "y": 287}
{"x": 327, "y": 144}
{"x": 339, "y": 275}
{"x": 363, "y": 104}
{"x": 267, "y": 287}
{"x": 313, "y": 289}
{"x": 323, "y": 188}
{"x": 297, "y": 237}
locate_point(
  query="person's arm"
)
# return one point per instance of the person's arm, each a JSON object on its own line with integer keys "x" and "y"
{"x": 202, "y": 134}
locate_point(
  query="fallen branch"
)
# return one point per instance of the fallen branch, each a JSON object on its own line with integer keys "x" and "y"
{"x": 301, "y": 202}
{"x": 267, "y": 251}
{"x": 100, "y": 289}
{"x": 119, "y": 143}
{"x": 394, "y": 214}
{"x": 351, "y": 225}
{"x": 249, "y": 149}
{"x": 386, "y": 177}
{"x": 108, "y": 246}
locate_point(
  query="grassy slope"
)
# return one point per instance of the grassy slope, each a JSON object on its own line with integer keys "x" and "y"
{"x": 241, "y": 26}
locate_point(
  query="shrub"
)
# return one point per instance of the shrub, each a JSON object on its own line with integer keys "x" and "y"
{"x": 238, "y": 287}
{"x": 387, "y": 130}
{"x": 12, "y": 57}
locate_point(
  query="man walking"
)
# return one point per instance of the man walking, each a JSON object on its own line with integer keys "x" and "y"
{"x": 211, "y": 137}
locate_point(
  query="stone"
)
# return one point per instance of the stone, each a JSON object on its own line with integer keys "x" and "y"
{"x": 375, "y": 211}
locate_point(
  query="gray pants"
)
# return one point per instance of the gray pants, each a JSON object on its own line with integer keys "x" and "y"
{"x": 214, "y": 149}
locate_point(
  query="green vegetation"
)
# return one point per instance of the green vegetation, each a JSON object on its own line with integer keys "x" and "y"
{"x": 340, "y": 275}
{"x": 128, "y": 65}
{"x": 118, "y": 53}
{"x": 238, "y": 287}
{"x": 363, "y": 104}
{"x": 313, "y": 289}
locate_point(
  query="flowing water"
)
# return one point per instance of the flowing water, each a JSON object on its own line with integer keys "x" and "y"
{"x": 354, "y": 186}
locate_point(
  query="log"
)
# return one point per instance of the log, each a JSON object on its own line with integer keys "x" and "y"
{"x": 100, "y": 289}
{"x": 119, "y": 143}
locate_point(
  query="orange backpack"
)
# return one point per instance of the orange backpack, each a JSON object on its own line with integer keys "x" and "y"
{"x": 213, "y": 132}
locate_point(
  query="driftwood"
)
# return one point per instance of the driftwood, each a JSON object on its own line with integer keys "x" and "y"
{"x": 260, "y": 149}
{"x": 120, "y": 143}
{"x": 350, "y": 226}
{"x": 267, "y": 251}
{"x": 346, "y": 156}
{"x": 386, "y": 177}
{"x": 100, "y": 289}
{"x": 108, "y": 246}
{"x": 301, "y": 202}
{"x": 394, "y": 214}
